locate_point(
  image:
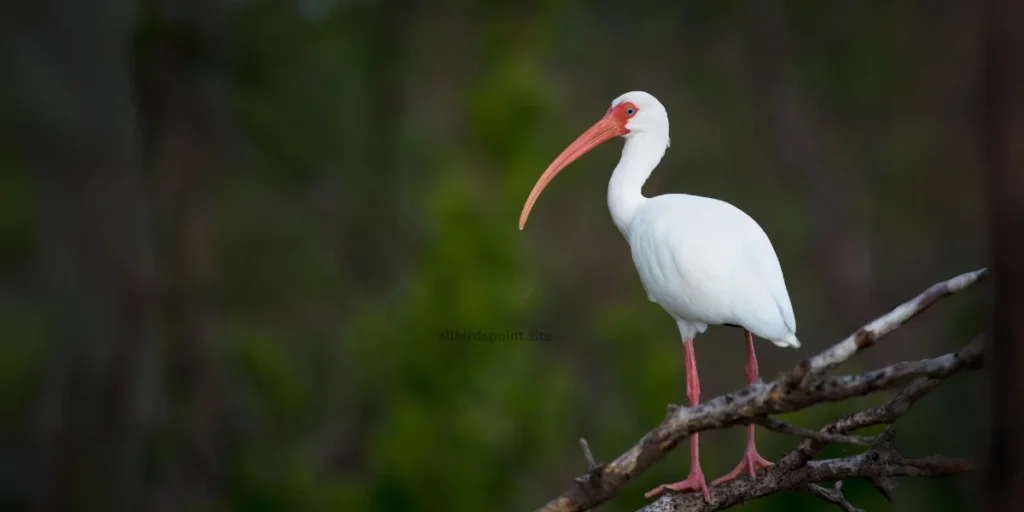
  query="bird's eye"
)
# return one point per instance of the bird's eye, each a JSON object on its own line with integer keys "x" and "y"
{"x": 630, "y": 111}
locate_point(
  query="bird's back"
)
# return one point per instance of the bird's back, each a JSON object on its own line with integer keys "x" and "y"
{"x": 707, "y": 262}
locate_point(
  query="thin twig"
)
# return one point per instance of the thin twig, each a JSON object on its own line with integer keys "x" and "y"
{"x": 834, "y": 496}
{"x": 826, "y": 437}
{"x": 591, "y": 463}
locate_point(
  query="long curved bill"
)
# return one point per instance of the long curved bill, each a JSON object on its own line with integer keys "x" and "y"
{"x": 603, "y": 130}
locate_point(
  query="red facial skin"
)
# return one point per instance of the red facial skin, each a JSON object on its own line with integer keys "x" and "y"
{"x": 613, "y": 124}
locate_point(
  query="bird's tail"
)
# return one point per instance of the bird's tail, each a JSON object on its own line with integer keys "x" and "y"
{"x": 788, "y": 341}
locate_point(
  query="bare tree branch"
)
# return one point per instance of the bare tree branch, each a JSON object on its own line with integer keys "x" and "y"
{"x": 802, "y": 387}
{"x": 591, "y": 463}
{"x": 826, "y": 437}
{"x": 833, "y": 495}
{"x": 877, "y": 465}
{"x": 880, "y": 462}
{"x": 872, "y": 332}
{"x": 881, "y": 415}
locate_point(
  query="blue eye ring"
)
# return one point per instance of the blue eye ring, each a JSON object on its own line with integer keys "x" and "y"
{"x": 630, "y": 111}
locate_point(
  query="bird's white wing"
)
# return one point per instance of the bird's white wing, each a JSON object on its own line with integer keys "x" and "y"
{"x": 707, "y": 262}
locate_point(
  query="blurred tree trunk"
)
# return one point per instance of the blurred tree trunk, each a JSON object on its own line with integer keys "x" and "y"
{"x": 377, "y": 253}
{"x": 183, "y": 106}
{"x": 1004, "y": 146}
{"x": 95, "y": 245}
{"x": 375, "y": 256}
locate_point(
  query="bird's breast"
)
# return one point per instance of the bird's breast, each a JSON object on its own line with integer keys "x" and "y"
{"x": 683, "y": 269}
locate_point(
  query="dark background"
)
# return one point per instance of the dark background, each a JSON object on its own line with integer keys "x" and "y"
{"x": 233, "y": 233}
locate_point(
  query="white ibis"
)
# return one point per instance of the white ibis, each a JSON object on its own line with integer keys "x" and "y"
{"x": 704, "y": 261}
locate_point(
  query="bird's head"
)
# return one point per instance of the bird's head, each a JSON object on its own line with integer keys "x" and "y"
{"x": 639, "y": 113}
{"x": 632, "y": 114}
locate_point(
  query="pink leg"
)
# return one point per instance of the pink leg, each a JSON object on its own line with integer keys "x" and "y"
{"x": 696, "y": 478}
{"x": 751, "y": 460}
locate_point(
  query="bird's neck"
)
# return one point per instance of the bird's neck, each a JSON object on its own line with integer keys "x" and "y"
{"x": 640, "y": 156}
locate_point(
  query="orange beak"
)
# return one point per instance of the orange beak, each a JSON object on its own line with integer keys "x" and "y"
{"x": 607, "y": 128}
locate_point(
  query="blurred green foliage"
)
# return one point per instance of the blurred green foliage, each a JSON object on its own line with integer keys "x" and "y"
{"x": 371, "y": 161}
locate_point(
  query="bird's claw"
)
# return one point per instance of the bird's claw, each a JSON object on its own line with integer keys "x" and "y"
{"x": 692, "y": 483}
{"x": 751, "y": 462}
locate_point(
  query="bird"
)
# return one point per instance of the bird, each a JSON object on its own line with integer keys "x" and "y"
{"x": 703, "y": 260}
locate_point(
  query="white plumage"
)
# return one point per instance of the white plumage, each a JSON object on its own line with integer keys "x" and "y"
{"x": 704, "y": 261}
{"x": 708, "y": 263}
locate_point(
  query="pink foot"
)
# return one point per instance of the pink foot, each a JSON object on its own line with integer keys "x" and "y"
{"x": 751, "y": 462}
{"x": 692, "y": 483}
